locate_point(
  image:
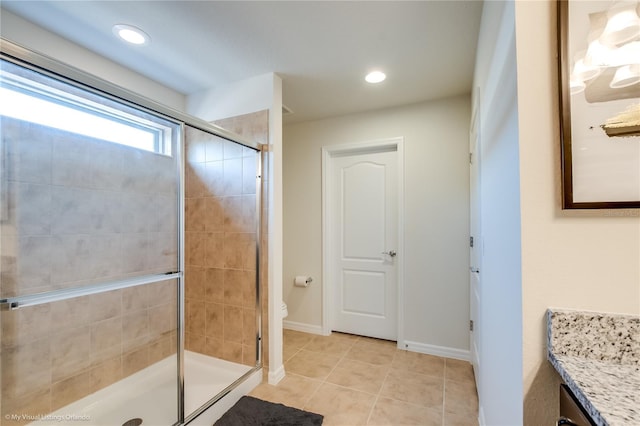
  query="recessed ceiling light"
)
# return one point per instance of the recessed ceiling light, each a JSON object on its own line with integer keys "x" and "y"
{"x": 375, "y": 77}
{"x": 131, "y": 34}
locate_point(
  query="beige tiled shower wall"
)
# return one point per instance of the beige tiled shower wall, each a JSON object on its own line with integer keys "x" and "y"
{"x": 221, "y": 243}
{"x": 57, "y": 353}
{"x": 77, "y": 211}
{"x": 255, "y": 127}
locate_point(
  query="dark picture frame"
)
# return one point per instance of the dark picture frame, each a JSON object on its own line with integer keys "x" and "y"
{"x": 595, "y": 169}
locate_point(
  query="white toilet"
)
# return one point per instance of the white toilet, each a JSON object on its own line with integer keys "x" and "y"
{"x": 285, "y": 311}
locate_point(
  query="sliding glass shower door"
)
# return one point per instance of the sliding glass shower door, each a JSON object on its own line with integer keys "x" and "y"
{"x": 100, "y": 323}
{"x": 90, "y": 266}
{"x": 221, "y": 265}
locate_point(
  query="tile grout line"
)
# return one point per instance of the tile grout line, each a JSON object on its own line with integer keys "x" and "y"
{"x": 340, "y": 360}
{"x": 304, "y": 405}
{"x": 316, "y": 391}
{"x": 291, "y": 357}
{"x": 324, "y": 380}
{"x": 294, "y": 354}
{"x": 386, "y": 376}
{"x": 343, "y": 357}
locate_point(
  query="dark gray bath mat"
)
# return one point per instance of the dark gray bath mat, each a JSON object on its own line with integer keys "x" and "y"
{"x": 251, "y": 411}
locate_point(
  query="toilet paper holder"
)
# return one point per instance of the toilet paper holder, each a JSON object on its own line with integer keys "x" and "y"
{"x": 302, "y": 281}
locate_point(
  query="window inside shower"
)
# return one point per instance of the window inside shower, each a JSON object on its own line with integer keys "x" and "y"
{"x": 28, "y": 100}
{"x": 98, "y": 306}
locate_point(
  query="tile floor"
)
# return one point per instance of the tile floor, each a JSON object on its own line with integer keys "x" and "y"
{"x": 354, "y": 380}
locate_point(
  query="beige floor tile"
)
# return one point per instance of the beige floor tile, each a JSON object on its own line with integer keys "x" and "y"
{"x": 414, "y": 388}
{"x": 358, "y": 375}
{"x": 342, "y": 337}
{"x": 460, "y": 398}
{"x": 369, "y": 355}
{"x": 397, "y": 413}
{"x": 326, "y": 344}
{"x": 288, "y": 352}
{"x": 352, "y": 380}
{"x": 296, "y": 339}
{"x": 420, "y": 363}
{"x": 314, "y": 365}
{"x": 457, "y": 420}
{"x": 378, "y": 345}
{"x": 461, "y": 371}
{"x": 341, "y": 406}
{"x": 293, "y": 391}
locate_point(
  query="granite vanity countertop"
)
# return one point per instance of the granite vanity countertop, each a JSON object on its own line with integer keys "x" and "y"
{"x": 598, "y": 357}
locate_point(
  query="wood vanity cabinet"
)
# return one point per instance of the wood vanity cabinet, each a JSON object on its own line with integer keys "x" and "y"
{"x": 571, "y": 411}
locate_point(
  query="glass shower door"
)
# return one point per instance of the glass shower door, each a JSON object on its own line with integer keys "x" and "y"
{"x": 221, "y": 265}
{"x": 90, "y": 266}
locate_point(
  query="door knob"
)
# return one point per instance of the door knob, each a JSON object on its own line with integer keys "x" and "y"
{"x": 391, "y": 253}
{"x": 565, "y": 421}
{"x": 474, "y": 269}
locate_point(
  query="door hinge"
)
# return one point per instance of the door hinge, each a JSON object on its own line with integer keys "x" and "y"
{"x": 471, "y": 158}
{"x": 470, "y": 325}
{"x": 470, "y": 241}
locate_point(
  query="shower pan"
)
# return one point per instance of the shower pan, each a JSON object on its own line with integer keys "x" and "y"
{"x": 129, "y": 287}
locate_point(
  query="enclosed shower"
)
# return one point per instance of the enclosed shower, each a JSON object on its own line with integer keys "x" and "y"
{"x": 130, "y": 248}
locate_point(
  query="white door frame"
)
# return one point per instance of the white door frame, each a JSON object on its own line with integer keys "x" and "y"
{"x": 327, "y": 234}
{"x": 475, "y": 254}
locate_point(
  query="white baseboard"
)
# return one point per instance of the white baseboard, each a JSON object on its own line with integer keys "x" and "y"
{"x": 277, "y": 375}
{"x": 442, "y": 351}
{"x": 300, "y": 326}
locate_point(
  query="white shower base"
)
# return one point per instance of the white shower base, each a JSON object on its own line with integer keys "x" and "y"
{"x": 151, "y": 394}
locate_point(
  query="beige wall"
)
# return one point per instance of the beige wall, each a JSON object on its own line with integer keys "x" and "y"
{"x": 436, "y": 214}
{"x": 572, "y": 259}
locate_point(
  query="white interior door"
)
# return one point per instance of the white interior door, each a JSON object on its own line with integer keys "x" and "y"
{"x": 364, "y": 196}
{"x": 475, "y": 243}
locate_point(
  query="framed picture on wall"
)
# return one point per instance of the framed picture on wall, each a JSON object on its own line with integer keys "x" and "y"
{"x": 599, "y": 75}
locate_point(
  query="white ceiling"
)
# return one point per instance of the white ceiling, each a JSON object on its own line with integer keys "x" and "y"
{"x": 321, "y": 49}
